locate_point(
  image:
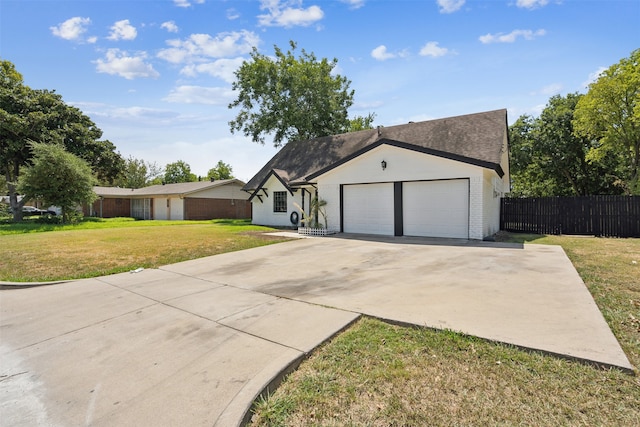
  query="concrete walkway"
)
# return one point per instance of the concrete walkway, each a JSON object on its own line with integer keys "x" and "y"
{"x": 194, "y": 343}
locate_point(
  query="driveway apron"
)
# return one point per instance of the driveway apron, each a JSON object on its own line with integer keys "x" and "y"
{"x": 194, "y": 343}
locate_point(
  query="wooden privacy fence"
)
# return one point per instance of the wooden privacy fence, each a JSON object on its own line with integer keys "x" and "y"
{"x": 608, "y": 216}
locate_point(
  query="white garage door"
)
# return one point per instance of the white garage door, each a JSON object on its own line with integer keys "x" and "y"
{"x": 368, "y": 209}
{"x": 436, "y": 208}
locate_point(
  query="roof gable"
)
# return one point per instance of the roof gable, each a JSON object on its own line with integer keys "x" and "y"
{"x": 474, "y": 138}
{"x": 281, "y": 176}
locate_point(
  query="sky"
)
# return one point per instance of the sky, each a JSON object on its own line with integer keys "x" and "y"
{"x": 155, "y": 76}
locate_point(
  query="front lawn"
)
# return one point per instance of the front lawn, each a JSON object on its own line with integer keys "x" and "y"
{"x": 376, "y": 374}
{"x": 34, "y": 251}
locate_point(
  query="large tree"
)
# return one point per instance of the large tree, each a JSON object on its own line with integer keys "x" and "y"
{"x": 290, "y": 98}
{"x": 548, "y": 159}
{"x": 58, "y": 178}
{"x": 609, "y": 114}
{"x": 42, "y": 116}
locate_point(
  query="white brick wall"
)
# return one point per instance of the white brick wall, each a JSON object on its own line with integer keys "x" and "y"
{"x": 475, "y": 207}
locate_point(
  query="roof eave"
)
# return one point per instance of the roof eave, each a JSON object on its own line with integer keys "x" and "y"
{"x": 254, "y": 191}
{"x": 476, "y": 162}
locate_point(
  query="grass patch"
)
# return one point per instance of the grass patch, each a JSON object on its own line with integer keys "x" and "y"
{"x": 33, "y": 251}
{"x": 377, "y": 374}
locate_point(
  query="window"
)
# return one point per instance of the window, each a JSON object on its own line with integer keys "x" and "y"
{"x": 279, "y": 201}
{"x": 141, "y": 208}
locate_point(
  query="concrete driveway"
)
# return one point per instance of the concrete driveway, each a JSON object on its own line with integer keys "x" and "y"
{"x": 194, "y": 343}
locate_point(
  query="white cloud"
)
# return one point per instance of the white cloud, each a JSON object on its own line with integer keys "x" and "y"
{"x": 450, "y": 6}
{"x": 367, "y": 106}
{"x": 134, "y": 116}
{"x": 170, "y": 26}
{"x": 511, "y": 37}
{"x": 354, "y": 4}
{"x": 199, "y": 47}
{"x": 594, "y": 76}
{"x": 186, "y": 3}
{"x": 531, "y": 4}
{"x": 123, "y": 30}
{"x": 284, "y": 13}
{"x": 432, "y": 49}
{"x": 232, "y": 14}
{"x": 200, "y": 95}
{"x": 381, "y": 54}
{"x": 73, "y": 29}
{"x": 148, "y": 115}
{"x": 549, "y": 90}
{"x": 118, "y": 62}
{"x": 222, "y": 68}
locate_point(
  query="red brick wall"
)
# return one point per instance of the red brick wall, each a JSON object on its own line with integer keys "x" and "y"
{"x": 201, "y": 208}
{"x": 111, "y": 208}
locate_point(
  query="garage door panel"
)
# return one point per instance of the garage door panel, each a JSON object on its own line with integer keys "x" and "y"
{"x": 368, "y": 209}
{"x": 436, "y": 208}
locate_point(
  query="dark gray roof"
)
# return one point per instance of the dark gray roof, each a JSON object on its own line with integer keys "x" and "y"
{"x": 472, "y": 138}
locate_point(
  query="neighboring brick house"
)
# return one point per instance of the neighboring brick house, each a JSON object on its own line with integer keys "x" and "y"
{"x": 437, "y": 178}
{"x": 183, "y": 201}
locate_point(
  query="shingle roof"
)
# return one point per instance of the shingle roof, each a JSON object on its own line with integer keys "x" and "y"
{"x": 163, "y": 190}
{"x": 473, "y": 138}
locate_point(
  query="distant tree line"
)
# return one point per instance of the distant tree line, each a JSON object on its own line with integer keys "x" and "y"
{"x": 139, "y": 173}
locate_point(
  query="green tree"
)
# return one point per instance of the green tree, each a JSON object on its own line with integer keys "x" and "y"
{"x": 563, "y": 154}
{"x": 40, "y": 115}
{"x": 138, "y": 173}
{"x": 548, "y": 159}
{"x": 290, "y": 98}
{"x": 524, "y": 172}
{"x": 178, "y": 171}
{"x": 222, "y": 170}
{"x": 362, "y": 122}
{"x": 58, "y": 178}
{"x": 609, "y": 114}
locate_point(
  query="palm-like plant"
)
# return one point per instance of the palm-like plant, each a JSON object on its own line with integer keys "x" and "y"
{"x": 316, "y": 208}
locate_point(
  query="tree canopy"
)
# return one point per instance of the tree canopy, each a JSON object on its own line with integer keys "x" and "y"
{"x": 222, "y": 170}
{"x": 362, "y": 122}
{"x": 179, "y": 171}
{"x": 138, "y": 173}
{"x": 291, "y": 98}
{"x": 42, "y": 116}
{"x": 549, "y": 159}
{"x": 609, "y": 114}
{"x": 58, "y": 178}
{"x": 582, "y": 144}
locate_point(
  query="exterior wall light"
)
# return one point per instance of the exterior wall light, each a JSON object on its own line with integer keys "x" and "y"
{"x": 383, "y": 164}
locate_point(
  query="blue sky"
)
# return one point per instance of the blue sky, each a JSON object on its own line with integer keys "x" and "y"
{"x": 156, "y": 76}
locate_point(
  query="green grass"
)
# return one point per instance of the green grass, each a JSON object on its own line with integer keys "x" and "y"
{"x": 376, "y": 374}
{"x": 37, "y": 225}
{"x": 33, "y": 251}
